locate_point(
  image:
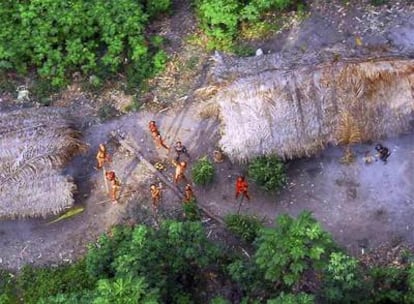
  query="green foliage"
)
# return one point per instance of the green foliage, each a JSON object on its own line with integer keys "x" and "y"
{"x": 389, "y": 284}
{"x": 243, "y": 50}
{"x": 170, "y": 258}
{"x": 125, "y": 291}
{"x": 58, "y": 37}
{"x": 300, "y": 298}
{"x": 134, "y": 106}
{"x": 221, "y": 19}
{"x": 203, "y": 171}
{"x": 219, "y": 300}
{"x": 343, "y": 281}
{"x": 409, "y": 296}
{"x": 42, "y": 91}
{"x": 36, "y": 284}
{"x": 107, "y": 111}
{"x": 245, "y": 226}
{"x": 7, "y": 292}
{"x": 80, "y": 297}
{"x": 156, "y": 7}
{"x": 249, "y": 277}
{"x": 379, "y": 2}
{"x": 268, "y": 172}
{"x": 159, "y": 61}
{"x": 191, "y": 211}
{"x": 295, "y": 245}
{"x": 101, "y": 256}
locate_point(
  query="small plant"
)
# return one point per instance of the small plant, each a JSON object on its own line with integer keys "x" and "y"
{"x": 7, "y": 292}
{"x": 245, "y": 226}
{"x": 191, "y": 211}
{"x": 379, "y": 2}
{"x": 106, "y": 112}
{"x": 42, "y": 91}
{"x": 300, "y": 298}
{"x": 38, "y": 283}
{"x": 343, "y": 282}
{"x": 159, "y": 61}
{"x": 219, "y": 300}
{"x": 268, "y": 172}
{"x": 203, "y": 172}
{"x": 244, "y": 50}
{"x": 288, "y": 250}
{"x": 134, "y": 106}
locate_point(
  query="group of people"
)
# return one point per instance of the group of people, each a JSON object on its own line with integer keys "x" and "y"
{"x": 103, "y": 157}
{"x": 382, "y": 154}
{"x": 180, "y": 165}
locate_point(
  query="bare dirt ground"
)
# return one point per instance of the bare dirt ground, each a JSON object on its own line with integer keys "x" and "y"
{"x": 361, "y": 205}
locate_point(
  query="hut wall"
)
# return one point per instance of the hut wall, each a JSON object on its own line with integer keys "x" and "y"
{"x": 296, "y": 112}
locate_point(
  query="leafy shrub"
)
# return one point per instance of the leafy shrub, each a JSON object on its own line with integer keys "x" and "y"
{"x": 38, "y": 283}
{"x": 156, "y": 7}
{"x": 191, "y": 211}
{"x": 343, "y": 281}
{"x": 245, "y": 226}
{"x": 203, "y": 171}
{"x": 159, "y": 61}
{"x": 58, "y": 37}
{"x": 219, "y": 300}
{"x": 249, "y": 277}
{"x": 300, "y": 298}
{"x": 107, "y": 112}
{"x": 379, "y": 2}
{"x": 389, "y": 284}
{"x": 268, "y": 172}
{"x": 221, "y": 19}
{"x": 169, "y": 258}
{"x": 7, "y": 293}
{"x": 125, "y": 291}
{"x": 295, "y": 245}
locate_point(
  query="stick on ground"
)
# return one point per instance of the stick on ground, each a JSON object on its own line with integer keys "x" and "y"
{"x": 137, "y": 151}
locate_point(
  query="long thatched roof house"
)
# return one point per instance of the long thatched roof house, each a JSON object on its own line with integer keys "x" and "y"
{"x": 35, "y": 144}
{"x": 294, "y": 110}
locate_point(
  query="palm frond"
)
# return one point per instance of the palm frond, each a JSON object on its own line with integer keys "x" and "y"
{"x": 35, "y": 144}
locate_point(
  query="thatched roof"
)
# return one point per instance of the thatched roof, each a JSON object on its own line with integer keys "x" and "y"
{"x": 296, "y": 111}
{"x": 35, "y": 144}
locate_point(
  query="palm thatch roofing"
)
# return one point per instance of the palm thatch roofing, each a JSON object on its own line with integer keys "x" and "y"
{"x": 35, "y": 144}
{"x": 295, "y": 110}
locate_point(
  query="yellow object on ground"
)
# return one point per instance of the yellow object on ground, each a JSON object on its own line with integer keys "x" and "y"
{"x": 71, "y": 212}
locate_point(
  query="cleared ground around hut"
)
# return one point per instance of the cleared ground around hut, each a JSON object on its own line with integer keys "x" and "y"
{"x": 361, "y": 205}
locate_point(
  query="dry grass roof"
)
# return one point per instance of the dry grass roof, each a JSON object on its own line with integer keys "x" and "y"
{"x": 297, "y": 111}
{"x": 35, "y": 144}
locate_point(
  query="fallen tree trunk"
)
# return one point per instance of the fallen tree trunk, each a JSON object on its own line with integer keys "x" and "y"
{"x": 137, "y": 152}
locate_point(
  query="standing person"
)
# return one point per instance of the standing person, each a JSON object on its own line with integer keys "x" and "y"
{"x": 156, "y": 136}
{"x": 180, "y": 168}
{"x": 152, "y": 126}
{"x": 188, "y": 194}
{"x": 156, "y": 197}
{"x": 159, "y": 142}
{"x": 241, "y": 188}
{"x": 383, "y": 152}
{"x": 180, "y": 149}
{"x": 102, "y": 156}
{"x": 115, "y": 186}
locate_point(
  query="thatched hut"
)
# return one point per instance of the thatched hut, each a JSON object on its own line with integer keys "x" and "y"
{"x": 35, "y": 144}
{"x": 295, "y": 110}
